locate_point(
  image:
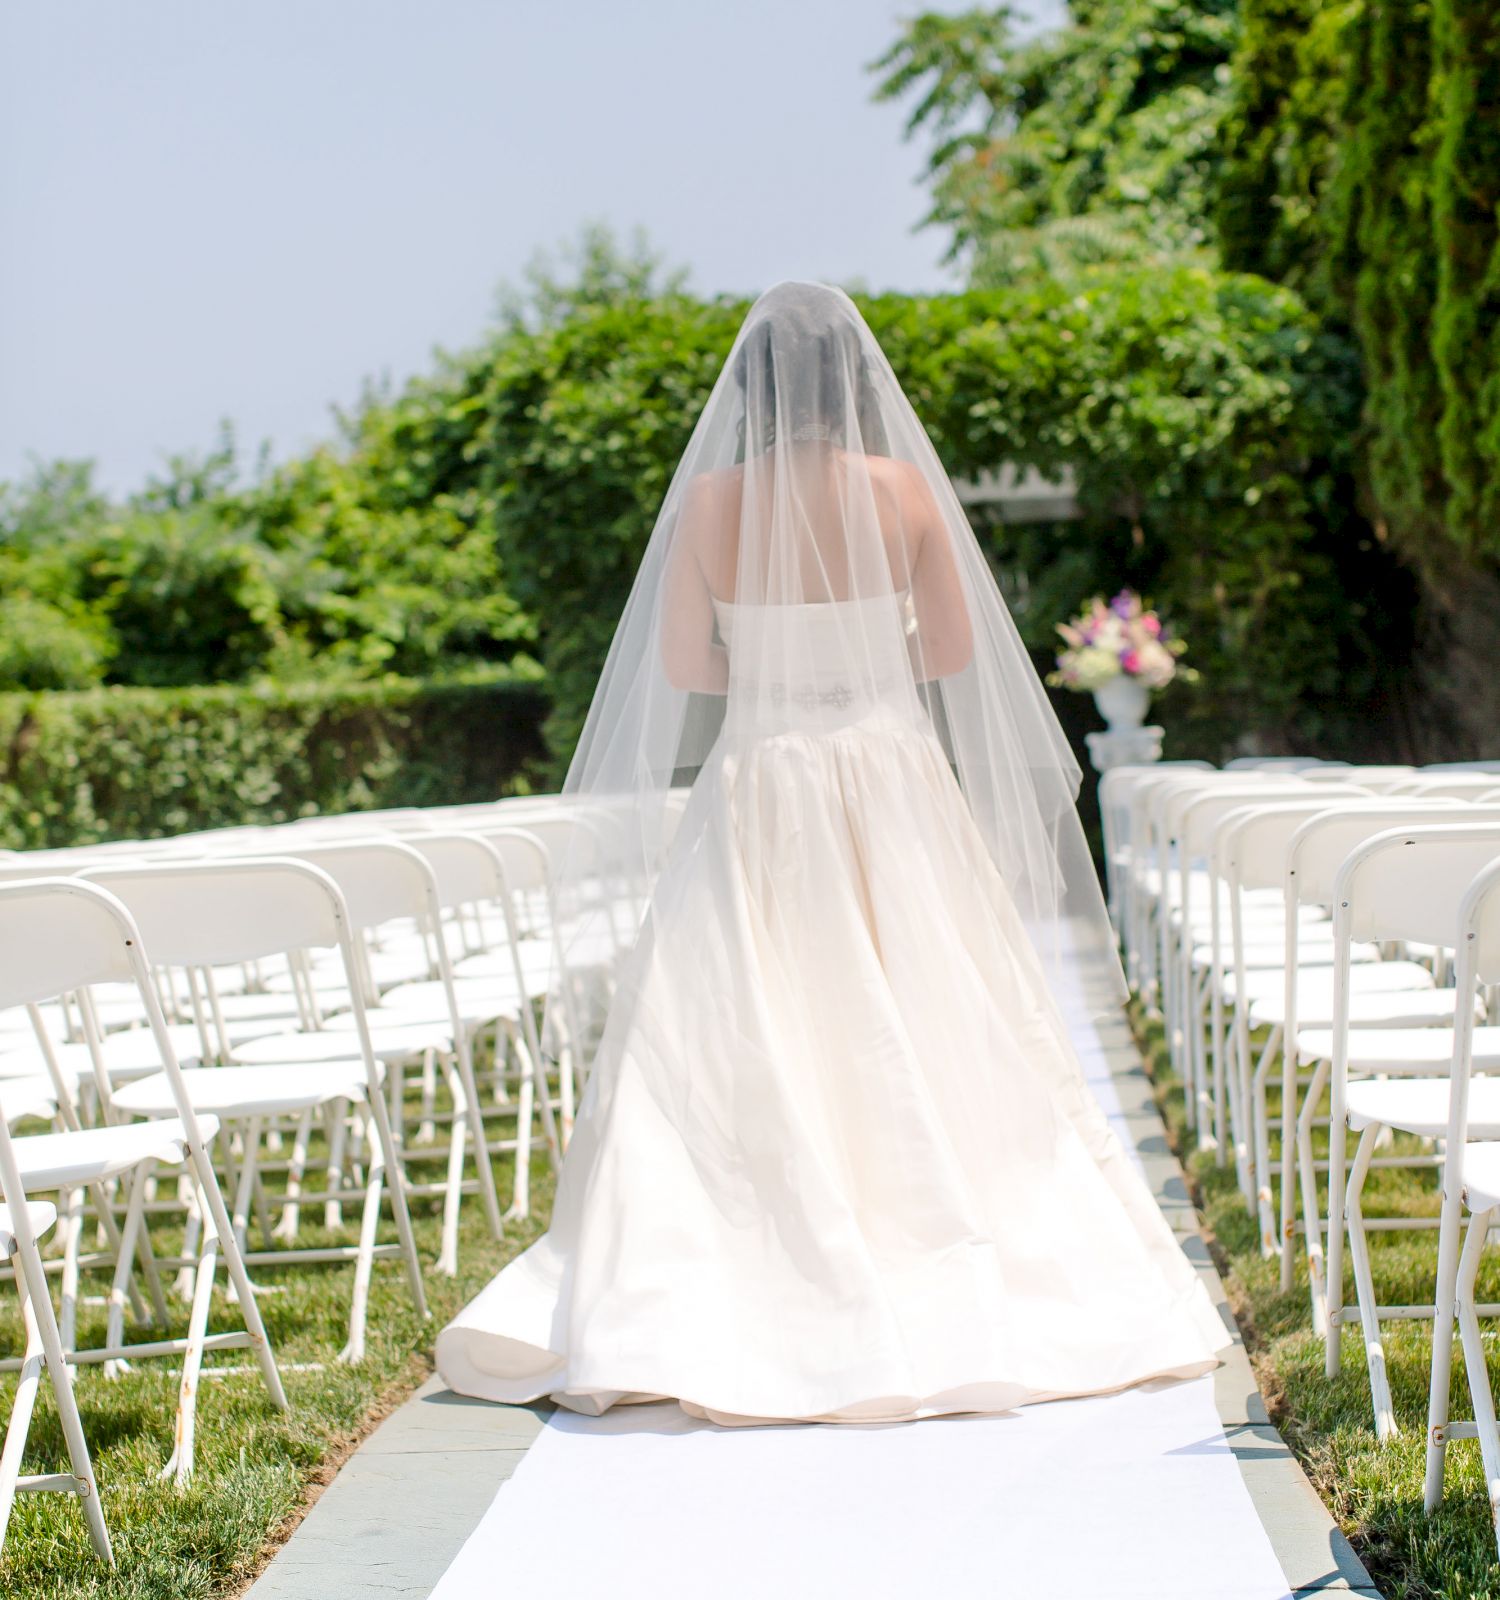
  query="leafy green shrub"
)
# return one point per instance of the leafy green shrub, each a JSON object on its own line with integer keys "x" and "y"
{"x": 378, "y": 568}
{"x": 187, "y": 599}
{"x": 143, "y": 763}
{"x": 43, "y": 647}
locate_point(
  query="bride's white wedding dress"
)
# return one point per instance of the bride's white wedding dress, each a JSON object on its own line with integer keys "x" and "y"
{"x": 837, "y": 1159}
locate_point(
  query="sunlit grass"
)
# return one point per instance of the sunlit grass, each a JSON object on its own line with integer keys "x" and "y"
{"x": 1374, "y": 1491}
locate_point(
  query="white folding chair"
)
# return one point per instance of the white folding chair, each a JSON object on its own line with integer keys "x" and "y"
{"x": 1401, "y": 883}
{"x": 471, "y": 874}
{"x": 205, "y": 914}
{"x": 383, "y": 881}
{"x": 1190, "y": 820}
{"x": 1115, "y": 789}
{"x": 1250, "y": 857}
{"x": 563, "y": 963}
{"x": 63, "y": 935}
{"x": 1396, "y": 994}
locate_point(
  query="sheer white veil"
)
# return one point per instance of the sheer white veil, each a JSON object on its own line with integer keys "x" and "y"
{"x": 811, "y": 511}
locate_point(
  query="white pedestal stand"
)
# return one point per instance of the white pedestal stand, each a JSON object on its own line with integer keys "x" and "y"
{"x": 1123, "y": 747}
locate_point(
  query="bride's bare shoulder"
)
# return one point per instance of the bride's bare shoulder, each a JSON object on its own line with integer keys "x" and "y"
{"x": 905, "y": 489}
{"x": 708, "y": 491}
{"x": 710, "y": 499}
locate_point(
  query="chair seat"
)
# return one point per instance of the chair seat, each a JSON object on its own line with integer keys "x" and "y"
{"x": 390, "y": 1042}
{"x": 242, "y": 1032}
{"x": 1400, "y": 1049}
{"x": 328, "y": 982}
{"x": 1420, "y": 1106}
{"x": 480, "y": 1000}
{"x": 41, "y": 1215}
{"x": 1266, "y": 991}
{"x": 28, "y": 1097}
{"x": 128, "y": 1054}
{"x": 1267, "y": 918}
{"x": 536, "y": 966}
{"x": 1411, "y": 1008}
{"x": 89, "y": 1155}
{"x": 21, "y": 1068}
{"x": 1366, "y": 977}
{"x": 1271, "y": 955}
{"x": 251, "y": 1091}
{"x": 257, "y": 1007}
{"x": 388, "y": 967}
{"x": 1481, "y": 1167}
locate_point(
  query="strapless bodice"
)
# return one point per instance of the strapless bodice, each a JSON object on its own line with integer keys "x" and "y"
{"x": 822, "y": 664}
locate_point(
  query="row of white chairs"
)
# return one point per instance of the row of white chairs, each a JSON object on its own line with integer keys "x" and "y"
{"x": 1341, "y": 924}
{"x": 187, "y": 1013}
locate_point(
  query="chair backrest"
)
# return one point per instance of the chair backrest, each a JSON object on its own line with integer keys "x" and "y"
{"x": 1479, "y": 915}
{"x": 1197, "y": 816}
{"x": 1476, "y": 938}
{"x": 23, "y": 871}
{"x": 524, "y": 855}
{"x": 216, "y": 912}
{"x": 1253, "y": 843}
{"x": 1319, "y": 847}
{"x": 1410, "y": 882}
{"x": 59, "y": 934}
{"x": 1150, "y": 802}
{"x": 470, "y": 870}
{"x": 70, "y": 934}
{"x": 467, "y": 869}
{"x": 574, "y": 840}
{"x": 381, "y": 879}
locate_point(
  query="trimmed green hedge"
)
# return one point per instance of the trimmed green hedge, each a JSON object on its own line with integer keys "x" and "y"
{"x": 76, "y": 768}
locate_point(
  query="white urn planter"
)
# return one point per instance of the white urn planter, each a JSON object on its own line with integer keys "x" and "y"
{"x": 1123, "y": 702}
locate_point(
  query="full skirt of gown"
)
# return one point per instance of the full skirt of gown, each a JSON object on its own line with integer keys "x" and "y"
{"x": 836, "y": 1159}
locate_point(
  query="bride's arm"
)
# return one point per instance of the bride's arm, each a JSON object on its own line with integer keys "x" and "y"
{"x": 691, "y": 658}
{"x": 944, "y": 642}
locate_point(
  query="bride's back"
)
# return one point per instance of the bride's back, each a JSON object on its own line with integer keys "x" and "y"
{"x": 811, "y": 523}
{"x": 821, "y": 524}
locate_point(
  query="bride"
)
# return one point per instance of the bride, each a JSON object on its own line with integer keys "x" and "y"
{"x": 836, "y": 1159}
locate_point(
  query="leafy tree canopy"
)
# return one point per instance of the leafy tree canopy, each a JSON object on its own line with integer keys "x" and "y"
{"x": 1094, "y": 143}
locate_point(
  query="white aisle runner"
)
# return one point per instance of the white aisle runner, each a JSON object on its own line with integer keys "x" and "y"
{"x": 1134, "y": 1496}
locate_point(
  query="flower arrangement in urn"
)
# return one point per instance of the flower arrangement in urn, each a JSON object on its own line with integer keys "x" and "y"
{"x": 1120, "y": 651}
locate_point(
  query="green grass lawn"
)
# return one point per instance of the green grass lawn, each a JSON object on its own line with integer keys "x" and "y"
{"x": 256, "y": 1468}
{"x": 1374, "y": 1491}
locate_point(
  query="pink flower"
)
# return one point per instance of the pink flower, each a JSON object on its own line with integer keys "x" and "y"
{"x": 1130, "y": 661}
{"x": 1152, "y": 624}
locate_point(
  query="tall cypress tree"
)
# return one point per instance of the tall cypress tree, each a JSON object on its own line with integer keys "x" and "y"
{"x": 1466, "y": 228}
{"x": 1382, "y": 264}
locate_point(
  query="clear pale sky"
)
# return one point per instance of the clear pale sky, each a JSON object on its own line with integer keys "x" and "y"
{"x": 210, "y": 211}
